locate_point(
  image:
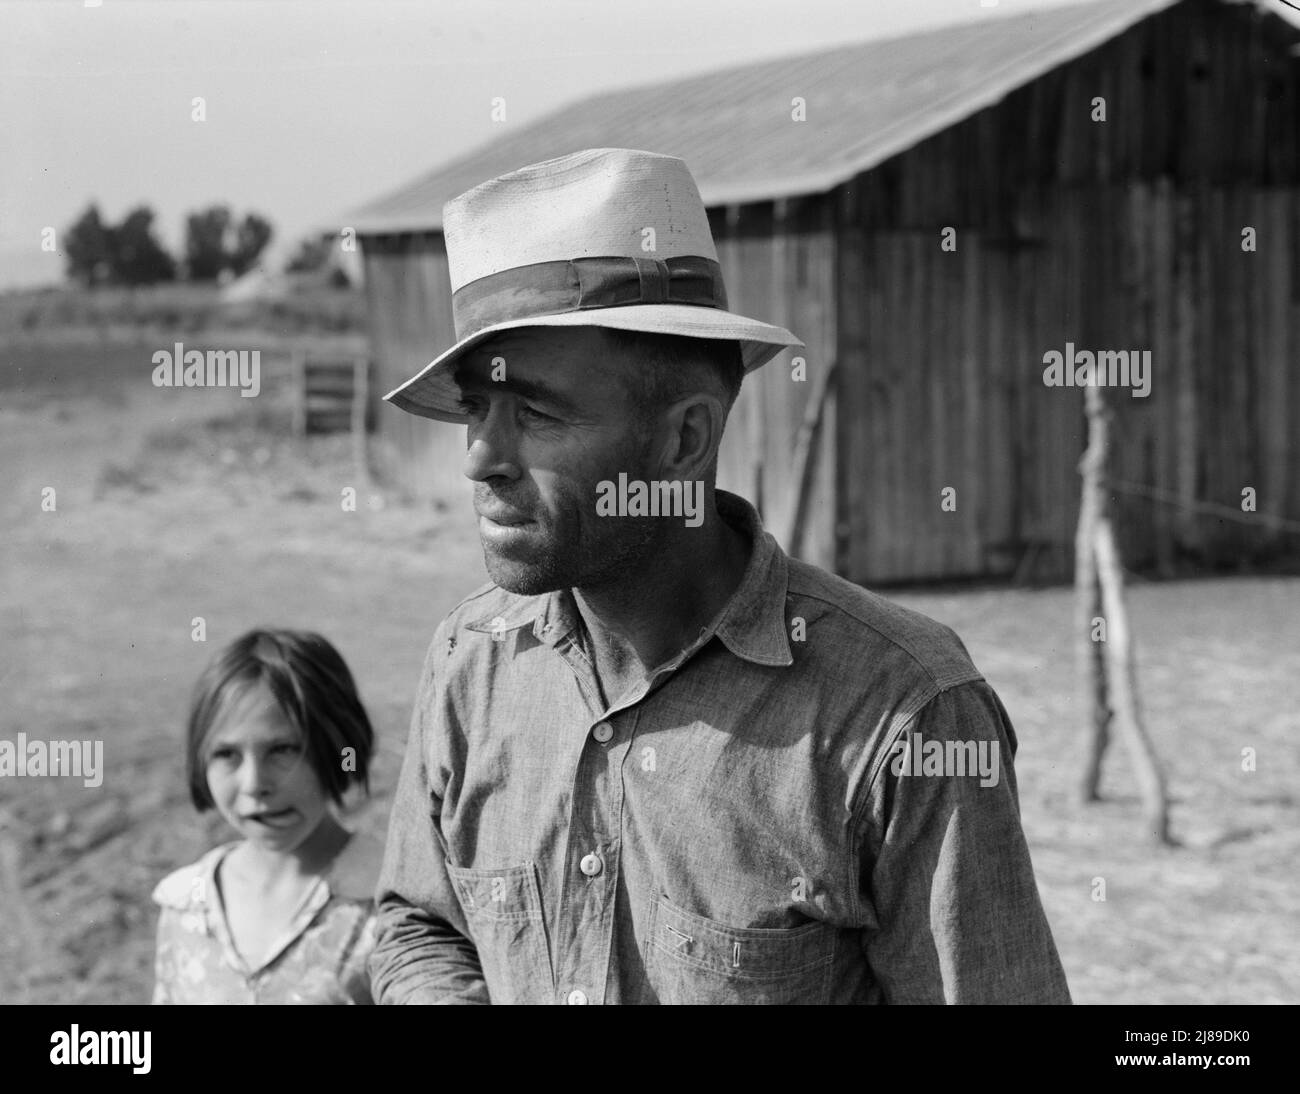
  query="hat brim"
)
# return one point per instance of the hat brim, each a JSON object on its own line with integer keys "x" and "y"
{"x": 432, "y": 392}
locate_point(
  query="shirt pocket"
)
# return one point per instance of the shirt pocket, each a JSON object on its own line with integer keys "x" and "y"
{"x": 690, "y": 959}
{"x": 503, "y": 909}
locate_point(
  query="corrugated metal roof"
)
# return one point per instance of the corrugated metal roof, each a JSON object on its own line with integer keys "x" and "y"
{"x": 865, "y": 103}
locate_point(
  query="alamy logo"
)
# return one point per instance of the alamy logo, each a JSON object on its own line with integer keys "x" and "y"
{"x": 181, "y": 367}
{"x": 658, "y": 498}
{"x": 79, "y": 759}
{"x": 914, "y": 755}
{"x": 78, "y": 1046}
{"x": 1105, "y": 368}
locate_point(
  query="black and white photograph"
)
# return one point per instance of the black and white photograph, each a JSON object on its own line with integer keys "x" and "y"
{"x": 651, "y": 502}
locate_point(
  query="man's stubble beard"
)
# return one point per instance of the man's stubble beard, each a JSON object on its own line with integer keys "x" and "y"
{"x": 577, "y": 560}
{"x": 574, "y": 555}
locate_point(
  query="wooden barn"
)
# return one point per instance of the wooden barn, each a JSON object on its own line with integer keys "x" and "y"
{"x": 933, "y": 216}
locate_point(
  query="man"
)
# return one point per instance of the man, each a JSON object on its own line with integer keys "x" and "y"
{"x": 656, "y": 760}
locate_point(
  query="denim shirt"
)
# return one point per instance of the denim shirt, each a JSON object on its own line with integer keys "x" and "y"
{"x": 764, "y": 820}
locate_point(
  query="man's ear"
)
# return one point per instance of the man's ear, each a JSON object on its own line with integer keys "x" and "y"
{"x": 693, "y": 432}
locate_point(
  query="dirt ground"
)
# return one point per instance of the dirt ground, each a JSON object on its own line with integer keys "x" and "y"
{"x": 179, "y": 504}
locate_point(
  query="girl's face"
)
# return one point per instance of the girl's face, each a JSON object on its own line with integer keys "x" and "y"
{"x": 260, "y": 776}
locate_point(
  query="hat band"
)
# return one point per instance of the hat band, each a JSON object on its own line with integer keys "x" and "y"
{"x": 579, "y": 284}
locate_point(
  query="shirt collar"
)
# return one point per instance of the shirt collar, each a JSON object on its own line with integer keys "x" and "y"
{"x": 752, "y": 625}
{"x": 551, "y": 616}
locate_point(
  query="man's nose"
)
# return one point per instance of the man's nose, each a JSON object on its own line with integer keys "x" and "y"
{"x": 492, "y": 446}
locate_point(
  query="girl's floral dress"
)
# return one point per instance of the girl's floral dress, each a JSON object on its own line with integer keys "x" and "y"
{"x": 320, "y": 958}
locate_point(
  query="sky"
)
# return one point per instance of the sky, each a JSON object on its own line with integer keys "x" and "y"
{"x": 314, "y": 107}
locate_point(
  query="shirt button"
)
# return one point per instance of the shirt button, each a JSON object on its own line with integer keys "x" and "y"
{"x": 576, "y": 998}
{"x": 590, "y": 865}
{"x": 603, "y": 732}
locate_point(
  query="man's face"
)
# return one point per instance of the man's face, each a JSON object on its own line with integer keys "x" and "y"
{"x": 551, "y": 418}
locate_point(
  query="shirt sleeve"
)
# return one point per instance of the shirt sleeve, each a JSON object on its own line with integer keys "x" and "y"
{"x": 423, "y": 951}
{"x": 952, "y": 904}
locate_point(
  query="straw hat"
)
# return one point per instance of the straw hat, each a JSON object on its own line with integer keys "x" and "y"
{"x": 606, "y": 237}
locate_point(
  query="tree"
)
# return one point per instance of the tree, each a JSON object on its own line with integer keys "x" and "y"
{"x": 313, "y": 254}
{"x": 137, "y": 257}
{"x": 88, "y": 246}
{"x": 316, "y": 255}
{"x": 251, "y": 239}
{"x": 205, "y": 242}
{"x": 214, "y": 242}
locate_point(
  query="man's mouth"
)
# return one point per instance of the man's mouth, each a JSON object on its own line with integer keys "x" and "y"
{"x": 273, "y": 818}
{"x": 496, "y": 510}
{"x": 503, "y": 517}
{"x": 501, "y": 528}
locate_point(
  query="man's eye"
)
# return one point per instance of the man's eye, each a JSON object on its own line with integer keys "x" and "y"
{"x": 535, "y": 414}
{"x": 472, "y": 407}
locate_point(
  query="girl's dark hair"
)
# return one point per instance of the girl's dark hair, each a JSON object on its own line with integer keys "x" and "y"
{"x": 312, "y": 686}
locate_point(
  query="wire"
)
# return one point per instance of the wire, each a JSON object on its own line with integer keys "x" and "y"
{"x": 1227, "y": 512}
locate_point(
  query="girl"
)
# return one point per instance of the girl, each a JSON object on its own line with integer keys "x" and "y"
{"x": 284, "y": 914}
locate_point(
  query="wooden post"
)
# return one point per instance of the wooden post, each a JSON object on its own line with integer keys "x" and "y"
{"x": 1095, "y": 712}
{"x": 1110, "y": 676}
{"x": 298, "y": 386}
{"x": 805, "y": 457}
{"x": 1121, "y": 677}
{"x": 360, "y": 406}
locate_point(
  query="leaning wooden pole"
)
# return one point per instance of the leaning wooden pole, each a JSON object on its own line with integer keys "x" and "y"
{"x": 805, "y": 458}
{"x": 1121, "y": 676}
{"x": 1114, "y": 686}
{"x": 1089, "y": 658}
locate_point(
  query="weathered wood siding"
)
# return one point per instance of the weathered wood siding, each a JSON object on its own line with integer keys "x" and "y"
{"x": 409, "y": 303}
{"x": 778, "y": 262}
{"x": 1120, "y": 235}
